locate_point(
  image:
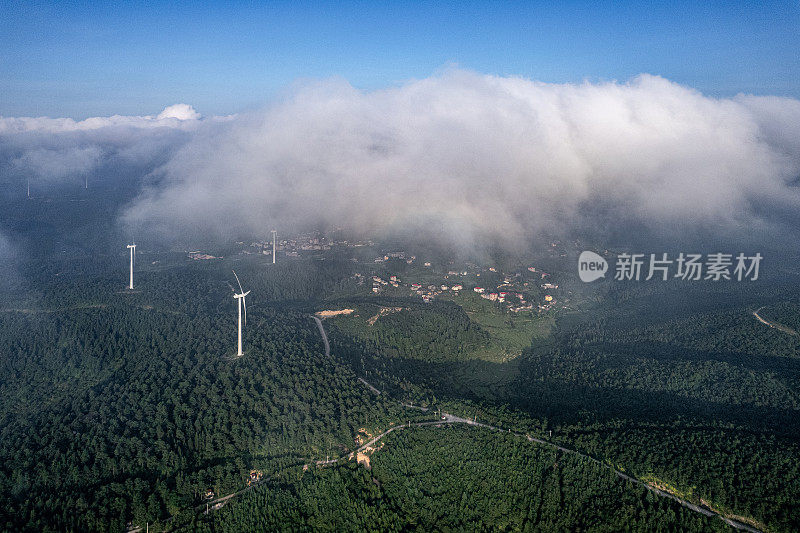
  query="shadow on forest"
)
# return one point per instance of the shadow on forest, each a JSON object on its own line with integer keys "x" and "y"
{"x": 522, "y": 384}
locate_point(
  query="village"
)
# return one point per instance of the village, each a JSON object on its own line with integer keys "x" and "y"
{"x": 515, "y": 293}
{"x": 528, "y": 289}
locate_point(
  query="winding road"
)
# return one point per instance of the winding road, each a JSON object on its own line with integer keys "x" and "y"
{"x": 448, "y": 418}
{"x": 775, "y": 325}
{"x": 324, "y": 335}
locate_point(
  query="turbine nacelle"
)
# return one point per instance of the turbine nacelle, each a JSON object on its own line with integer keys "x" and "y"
{"x": 244, "y": 303}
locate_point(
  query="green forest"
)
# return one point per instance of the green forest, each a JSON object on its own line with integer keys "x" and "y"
{"x": 431, "y": 332}
{"x": 703, "y": 401}
{"x": 123, "y": 409}
{"x": 120, "y": 414}
{"x": 457, "y": 479}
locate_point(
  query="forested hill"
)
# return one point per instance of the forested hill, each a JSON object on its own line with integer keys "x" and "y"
{"x": 116, "y": 414}
{"x": 126, "y": 406}
{"x": 683, "y": 388}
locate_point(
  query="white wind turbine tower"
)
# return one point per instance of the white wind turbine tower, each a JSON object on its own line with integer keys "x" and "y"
{"x": 132, "y": 248}
{"x": 274, "y": 234}
{"x": 240, "y": 297}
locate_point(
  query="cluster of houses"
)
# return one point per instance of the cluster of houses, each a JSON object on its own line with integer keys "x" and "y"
{"x": 378, "y": 283}
{"x": 542, "y": 274}
{"x": 505, "y": 292}
{"x": 308, "y": 242}
{"x": 427, "y": 293}
{"x": 503, "y": 296}
{"x": 431, "y": 291}
{"x": 497, "y": 296}
{"x": 397, "y": 255}
{"x": 515, "y": 300}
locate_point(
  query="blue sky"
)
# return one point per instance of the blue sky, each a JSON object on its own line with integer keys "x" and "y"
{"x": 84, "y": 59}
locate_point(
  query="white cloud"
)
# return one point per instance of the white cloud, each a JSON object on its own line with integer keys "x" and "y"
{"x": 460, "y": 157}
{"x": 180, "y": 112}
{"x": 22, "y": 125}
{"x": 468, "y": 157}
{"x": 49, "y": 150}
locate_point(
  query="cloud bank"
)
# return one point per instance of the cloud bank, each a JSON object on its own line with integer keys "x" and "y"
{"x": 471, "y": 158}
{"x": 50, "y": 151}
{"x": 460, "y": 157}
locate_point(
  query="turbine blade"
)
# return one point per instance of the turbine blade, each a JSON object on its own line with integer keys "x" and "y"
{"x": 244, "y": 303}
{"x": 237, "y": 281}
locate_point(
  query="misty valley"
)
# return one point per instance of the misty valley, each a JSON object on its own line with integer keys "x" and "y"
{"x": 437, "y": 390}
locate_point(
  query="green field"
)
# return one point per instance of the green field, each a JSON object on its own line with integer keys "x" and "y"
{"x": 455, "y": 327}
{"x": 510, "y": 332}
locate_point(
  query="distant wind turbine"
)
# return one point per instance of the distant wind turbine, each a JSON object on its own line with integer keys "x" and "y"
{"x": 132, "y": 248}
{"x": 241, "y": 298}
{"x": 274, "y": 234}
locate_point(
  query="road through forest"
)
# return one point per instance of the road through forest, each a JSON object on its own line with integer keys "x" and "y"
{"x": 447, "y": 418}
{"x": 775, "y": 325}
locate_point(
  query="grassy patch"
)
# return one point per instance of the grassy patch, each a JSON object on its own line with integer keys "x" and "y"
{"x": 510, "y": 332}
{"x": 455, "y": 327}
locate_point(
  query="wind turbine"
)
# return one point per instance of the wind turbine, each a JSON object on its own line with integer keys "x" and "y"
{"x": 274, "y": 233}
{"x": 240, "y": 297}
{"x": 132, "y": 248}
